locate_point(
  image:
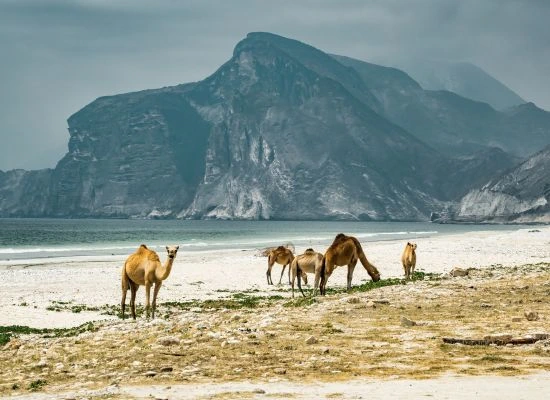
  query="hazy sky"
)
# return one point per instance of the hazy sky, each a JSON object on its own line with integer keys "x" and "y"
{"x": 59, "y": 55}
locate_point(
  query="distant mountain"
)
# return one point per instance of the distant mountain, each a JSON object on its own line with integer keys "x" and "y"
{"x": 521, "y": 195}
{"x": 451, "y": 123}
{"x": 464, "y": 79}
{"x": 280, "y": 131}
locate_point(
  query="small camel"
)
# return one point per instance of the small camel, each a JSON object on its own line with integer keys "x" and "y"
{"x": 280, "y": 255}
{"x": 143, "y": 268}
{"x": 309, "y": 262}
{"x": 409, "y": 259}
{"x": 345, "y": 250}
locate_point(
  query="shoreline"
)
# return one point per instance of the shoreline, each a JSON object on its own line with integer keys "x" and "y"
{"x": 29, "y": 289}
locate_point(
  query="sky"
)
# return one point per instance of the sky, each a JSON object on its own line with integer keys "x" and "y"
{"x": 59, "y": 55}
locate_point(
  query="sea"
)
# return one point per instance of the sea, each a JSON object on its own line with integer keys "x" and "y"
{"x": 40, "y": 240}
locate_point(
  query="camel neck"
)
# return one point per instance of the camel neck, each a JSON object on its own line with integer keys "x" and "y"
{"x": 163, "y": 272}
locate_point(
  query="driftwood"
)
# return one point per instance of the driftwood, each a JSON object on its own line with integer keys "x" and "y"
{"x": 499, "y": 340}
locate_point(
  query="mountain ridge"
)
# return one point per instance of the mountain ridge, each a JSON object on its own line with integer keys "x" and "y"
{"x": 280, "y": 131}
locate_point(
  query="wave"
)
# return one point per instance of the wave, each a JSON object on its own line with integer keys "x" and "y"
{"x": 194, "y": 244}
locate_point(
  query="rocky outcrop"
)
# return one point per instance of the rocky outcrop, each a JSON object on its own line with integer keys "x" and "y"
{"x": 25, "y": 193}
{"x": 521, "y": 195}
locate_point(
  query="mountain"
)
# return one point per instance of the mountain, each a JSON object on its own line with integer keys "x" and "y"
{"x": 521, "y": 195}
{"x": 464, "y": 79}
{"x": 282, "y": 130}
{"x": 454, "y": 125}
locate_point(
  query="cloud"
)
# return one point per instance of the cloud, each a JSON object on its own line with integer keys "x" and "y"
{"x": 59, "y": 55}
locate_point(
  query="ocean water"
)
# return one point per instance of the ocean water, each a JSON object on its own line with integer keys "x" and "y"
{"x": 34, "y": 239}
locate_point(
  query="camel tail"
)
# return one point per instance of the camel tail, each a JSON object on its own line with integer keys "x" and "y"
{"x": 371, "y": 269}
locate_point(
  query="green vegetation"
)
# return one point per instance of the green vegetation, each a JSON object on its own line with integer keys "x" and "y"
{"x": 7, "y": 332}
{"x": 233, "y": 302}
{"x": 4, "y": 338}
{"x": 300, "y": 301}
{"x": 37, "y": 385}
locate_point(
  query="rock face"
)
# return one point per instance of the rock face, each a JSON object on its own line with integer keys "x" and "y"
{"x": 521, "y": 195}
{"x": 280, "y": 131}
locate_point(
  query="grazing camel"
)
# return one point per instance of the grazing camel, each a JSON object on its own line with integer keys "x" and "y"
{"x": 409, "y": 259}
{"x": 280, "y": 255}
{"x": 345, "y": 250}
{"x": 143, "y": 268}
{"x": 309, "y": 262}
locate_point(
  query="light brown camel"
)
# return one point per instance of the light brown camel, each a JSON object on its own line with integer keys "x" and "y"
{"x": 345, "y": 250}
{"x": 143, "y": 268}
{"x": 309, "y": 262}
{"x": 280, "y": 255}
{"x": 409, "y": 259}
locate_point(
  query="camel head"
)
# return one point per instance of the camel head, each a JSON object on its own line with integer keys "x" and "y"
{"x": 412, "y": 245}
{"x": 172, "y": 251}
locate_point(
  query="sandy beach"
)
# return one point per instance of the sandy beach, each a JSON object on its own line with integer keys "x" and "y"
{"x": 28, "y": 290}
{"x": 365, "y": 344}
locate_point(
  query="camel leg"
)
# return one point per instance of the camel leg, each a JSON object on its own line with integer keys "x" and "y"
{"x": 351, "y": 267}
{"x": 268, "y": 273}
{"x": 155, "y": 293}
{"x": 125, "y": 287}
{"x": 147, "y": 298}
{"x": 324, "y": 279}
{"x": 304, "y": 277}
{"x": 288, "y": 273}
{"x": 133, "y": 290}
{"x": 316, "y": 281}
{"x": 292, "y": 270}
{"x": 299, "y": 274}
{"x": 282, "y": 272}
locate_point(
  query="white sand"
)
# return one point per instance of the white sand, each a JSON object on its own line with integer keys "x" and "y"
{"x": 531, "y": 387}
{"x": 198, "y": 275}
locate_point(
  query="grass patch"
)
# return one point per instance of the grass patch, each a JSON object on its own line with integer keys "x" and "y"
{"x": 7, "y": 332}
{"x": 37, "y": 385}
{"x": 234, "y": 302}
{"x": 59, "y": 306}
{"x": 492, "y": 358}
{"x": 300, "y": 302}
{"x": 4, "y": 338}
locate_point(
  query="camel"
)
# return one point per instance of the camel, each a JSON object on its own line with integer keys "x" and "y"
{"x": 345, "y": 250}
{"x": 409, "y": 259}
{"x": 143, "y": 268}
{"x": 309, "y": 262}
{"x": 280, "y": 255}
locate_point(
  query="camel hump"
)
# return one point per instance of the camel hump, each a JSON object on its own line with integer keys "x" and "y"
{"x": 142, "y": 247}
{"x": 153, "y": 256}
{"x": 310, "y": 250}
{"x": 340, "y": 238}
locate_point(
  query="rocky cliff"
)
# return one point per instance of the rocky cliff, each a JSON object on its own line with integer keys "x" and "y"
{"x": 280, "y": 131}
{"x": 521, "y": 195}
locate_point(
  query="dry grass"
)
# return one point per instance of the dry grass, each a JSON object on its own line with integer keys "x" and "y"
{"x": 268, "y": 340}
